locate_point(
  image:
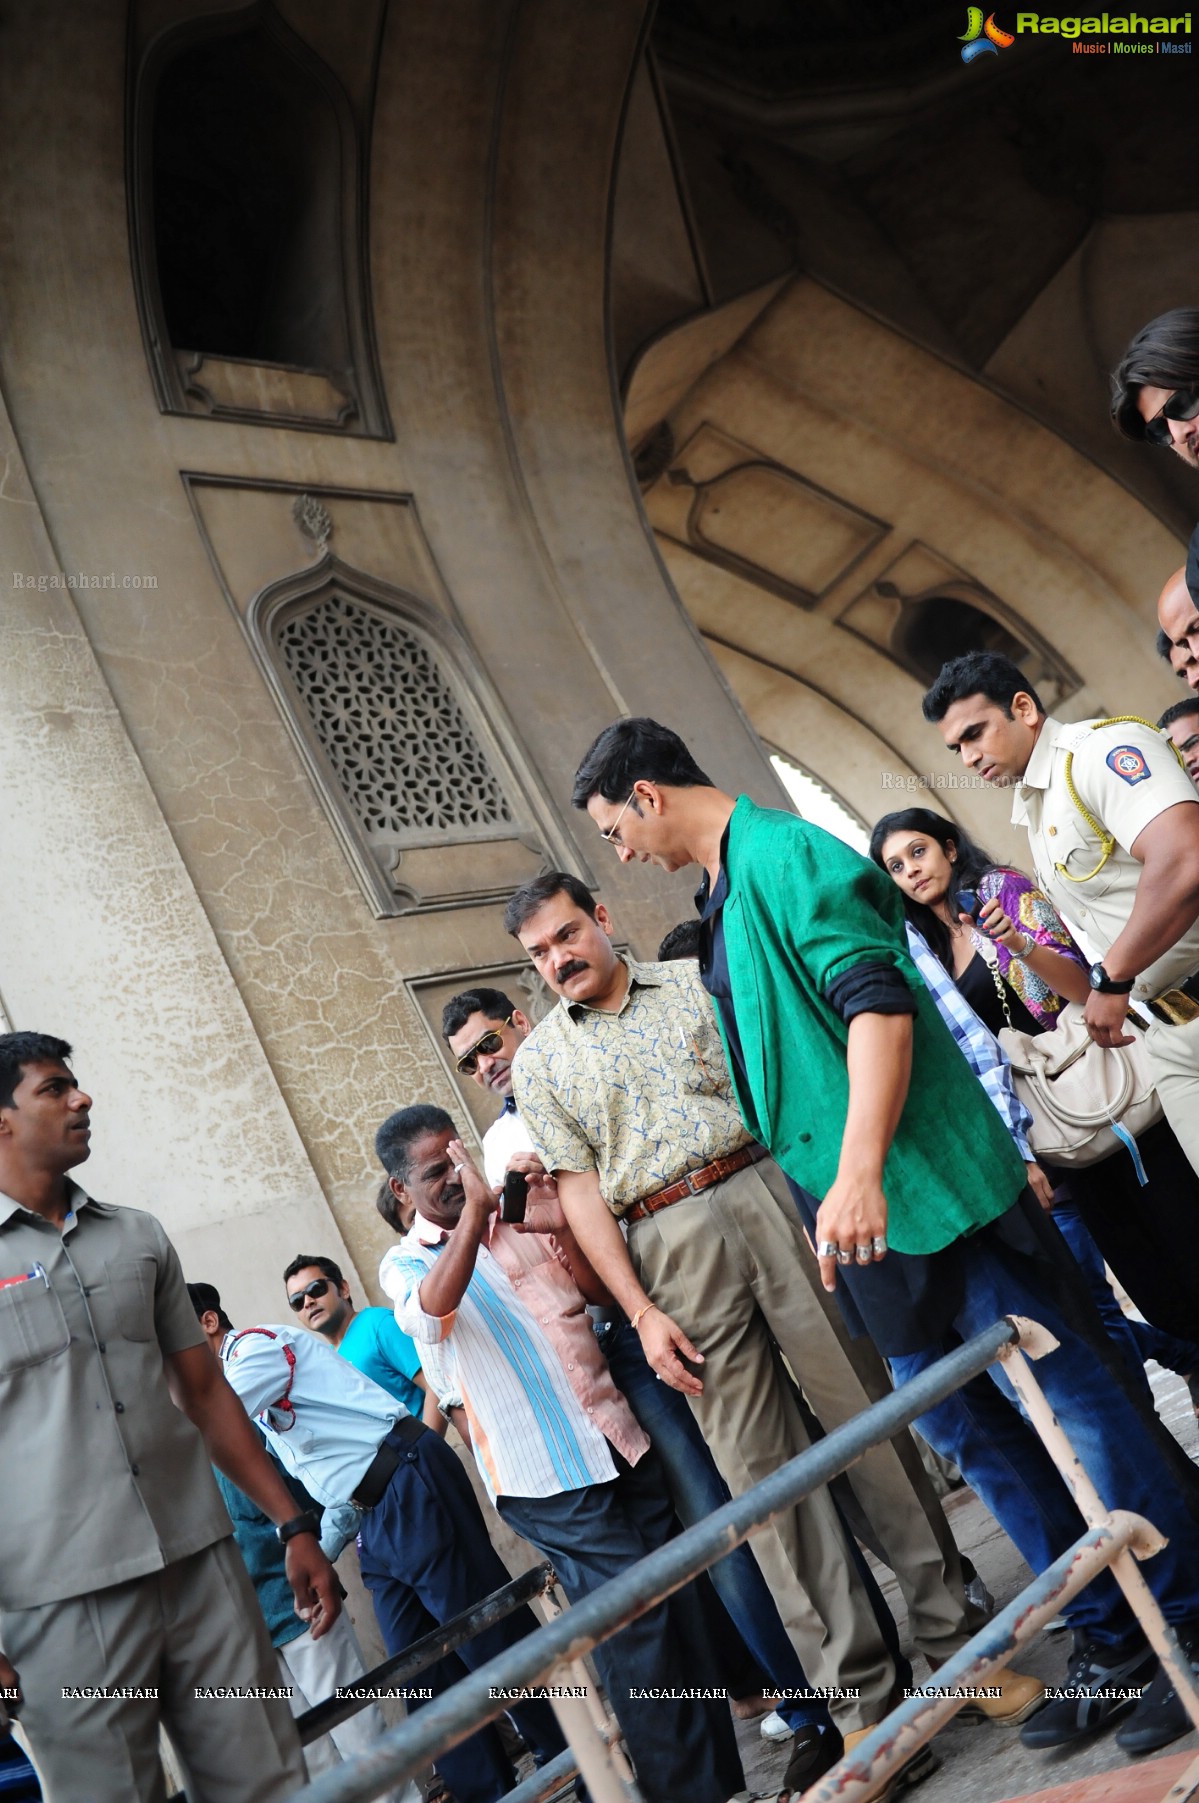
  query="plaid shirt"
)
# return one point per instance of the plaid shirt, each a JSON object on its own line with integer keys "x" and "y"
{"x": 982, "y": 1051}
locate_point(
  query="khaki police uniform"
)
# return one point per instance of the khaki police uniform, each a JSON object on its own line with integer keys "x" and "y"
{"x": 123, "y": 1599}
{"x": 1125, "y": 775}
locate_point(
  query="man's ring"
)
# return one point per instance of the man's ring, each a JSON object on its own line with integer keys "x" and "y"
{"x": 864, "y": 1253}
{"x": 843, "y": 1257}
{"x": 459, "y": 1167}
{"x": 826, "y": 1249}
{"x": 879, "y": 1244}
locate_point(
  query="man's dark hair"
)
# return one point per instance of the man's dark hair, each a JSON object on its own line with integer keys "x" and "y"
{"x": 681, "y": 942}
{"x": 1164, "y": 354}
{"x": 325, "y": 1266}
{"x": 635, "y": 750}
{"x": 1179, "y": 711}
{"x": 400, "y": 1132}
{"x": 492, "y": 1004}
{"x": 206, "y": 1301}
{"x": 1163, "y": 644}
{"x": 531, "y": 896}
{"x": 986, "y": 673}
{"x": 18, "y": 1050}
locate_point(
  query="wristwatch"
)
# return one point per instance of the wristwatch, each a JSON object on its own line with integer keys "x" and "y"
{"x": 299, "y": 1524}
{"x": 1108, "y": 985}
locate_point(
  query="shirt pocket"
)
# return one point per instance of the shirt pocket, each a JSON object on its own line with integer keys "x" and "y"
{"x": 129, "y": 1297}
{"x": 33, "y": 1327}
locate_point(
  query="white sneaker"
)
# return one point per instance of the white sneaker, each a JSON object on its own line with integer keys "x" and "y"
{"x": 773, "y": 1727}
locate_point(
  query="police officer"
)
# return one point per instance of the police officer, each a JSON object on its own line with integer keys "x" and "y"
{"x": 1113, "y": 825}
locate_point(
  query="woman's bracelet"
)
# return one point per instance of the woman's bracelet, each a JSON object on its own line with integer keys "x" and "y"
{"x": 641, "y": 1311}
{"x": 1029, "y": 945}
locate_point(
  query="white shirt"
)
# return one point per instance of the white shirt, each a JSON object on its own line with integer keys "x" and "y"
{"x": 322, "y": 1417}
{"x": 503, "y": 1139}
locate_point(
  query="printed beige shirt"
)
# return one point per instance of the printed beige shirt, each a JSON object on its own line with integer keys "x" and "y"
{"x": 640, "y": 1094}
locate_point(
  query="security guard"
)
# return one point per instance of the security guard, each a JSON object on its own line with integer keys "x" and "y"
{"x": 1113, "y": 825}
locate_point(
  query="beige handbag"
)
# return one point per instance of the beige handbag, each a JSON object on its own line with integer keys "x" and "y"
{"x": 1074, "y": 1089}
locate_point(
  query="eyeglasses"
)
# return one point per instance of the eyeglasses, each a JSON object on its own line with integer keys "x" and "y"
{"x": 316, "y": 1288}
{"x": 486, "y": 1046}
{"x": 1182, "y": 404}
{"x": 610, "y": 835}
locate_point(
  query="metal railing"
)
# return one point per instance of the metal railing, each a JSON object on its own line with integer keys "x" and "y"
{"x": 1111, "y": 1540}
{"x": 394, "y": 1673}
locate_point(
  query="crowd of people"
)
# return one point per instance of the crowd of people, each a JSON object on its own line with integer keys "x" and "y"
{"x": 731, "y": 1196}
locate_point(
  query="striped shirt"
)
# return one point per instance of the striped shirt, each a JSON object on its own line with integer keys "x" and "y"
{"x": 982, "y": 1051}
{"x": 520, "y": 1352}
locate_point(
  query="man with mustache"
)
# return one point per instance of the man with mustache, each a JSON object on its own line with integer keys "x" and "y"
{"x": 499, "y": 1313}
{"x": 909, "y": 1182}
{"x": 626, "y": 1093}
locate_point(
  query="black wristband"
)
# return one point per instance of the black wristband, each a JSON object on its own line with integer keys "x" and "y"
{"x": 1108, "y": 985}
{"x": 299, "y": 1524}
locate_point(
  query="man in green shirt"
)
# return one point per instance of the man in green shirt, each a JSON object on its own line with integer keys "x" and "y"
{"x": 909, "y": 1184}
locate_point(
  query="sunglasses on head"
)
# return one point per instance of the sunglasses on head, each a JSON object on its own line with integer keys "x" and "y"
{"x": 316, "y": 1288}
{"x": 485, "y": 1046}
{"x": 1182, "y": 404}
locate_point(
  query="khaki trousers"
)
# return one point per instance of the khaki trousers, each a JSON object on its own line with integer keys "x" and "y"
{"x": 732, "y": 1267}
{"x": 194, "y": 1624}
{"x": 1174, "y": 1061}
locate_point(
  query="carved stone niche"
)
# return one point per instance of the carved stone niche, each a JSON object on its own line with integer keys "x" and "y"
{"x": 922, "y": 611}
{"x": 247, "y": 156}
{"x": 406, "y": 744}
{"x": 760, "y": 519}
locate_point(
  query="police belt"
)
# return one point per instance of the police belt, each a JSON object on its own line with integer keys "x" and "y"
{"x": 378, "y": 1474}
{"x": 1179, "y": 1006}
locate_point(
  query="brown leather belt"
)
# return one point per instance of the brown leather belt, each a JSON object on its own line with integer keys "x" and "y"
{"x": 696, "y": 1181}
{"x": 1177, "y": 1006}
{"x": 378, "y": 1474}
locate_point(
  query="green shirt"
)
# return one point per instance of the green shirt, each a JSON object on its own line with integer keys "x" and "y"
{"x": 802, "y": 910}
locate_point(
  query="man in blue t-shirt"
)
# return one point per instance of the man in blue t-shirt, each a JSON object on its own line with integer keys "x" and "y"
{"x": 369, "y": 1338}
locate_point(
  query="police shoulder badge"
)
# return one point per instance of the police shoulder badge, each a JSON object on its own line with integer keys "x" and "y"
{"x": 1128, "y": 763}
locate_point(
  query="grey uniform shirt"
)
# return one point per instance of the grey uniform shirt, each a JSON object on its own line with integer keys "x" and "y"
{"x": 104, "y": 1479}
{"x": 1126, "y": 775}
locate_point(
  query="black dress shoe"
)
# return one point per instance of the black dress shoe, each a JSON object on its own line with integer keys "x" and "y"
{"x": 1161, "y": 1715}
{"x": 814, "y": 1751}
{"x": 1102, "y": 1683}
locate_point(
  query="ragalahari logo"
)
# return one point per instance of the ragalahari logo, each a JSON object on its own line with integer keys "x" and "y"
{"x": 982, "y": 38}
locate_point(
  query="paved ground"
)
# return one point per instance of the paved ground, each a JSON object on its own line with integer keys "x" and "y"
{"x": 984, "y": 1764}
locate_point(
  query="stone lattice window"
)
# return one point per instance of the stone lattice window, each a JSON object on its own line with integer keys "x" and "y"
{"x": 410, "y": 764}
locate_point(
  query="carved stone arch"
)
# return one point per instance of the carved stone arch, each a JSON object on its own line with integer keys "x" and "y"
{"x": 286, "y": 335}
{"x": 405, "y": 743}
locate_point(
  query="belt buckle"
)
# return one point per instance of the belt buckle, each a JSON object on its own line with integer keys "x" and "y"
{"x": 1177, "y": 1008}
{"x": 689, "y": 1180}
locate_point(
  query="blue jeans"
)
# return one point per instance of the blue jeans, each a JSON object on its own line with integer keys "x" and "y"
{"x": 1137, "y": 1340}
{"x": 683, "y": 1747}
{"x": 1001, "y": 1457}
{"x": 696, "y": 1488}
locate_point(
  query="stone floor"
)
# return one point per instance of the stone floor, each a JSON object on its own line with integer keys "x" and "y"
{"x": 982, "y": 1764}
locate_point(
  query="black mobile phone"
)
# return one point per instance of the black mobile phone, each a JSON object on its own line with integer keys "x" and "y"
{"x": 514, "y": 1196}
{"x": 968, "y": 902}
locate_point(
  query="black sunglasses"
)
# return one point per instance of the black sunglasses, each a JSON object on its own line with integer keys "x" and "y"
{"x": 316, "y": 1288}
{"x": 1182, "y": 404}
{"x": 487, "y": 1045}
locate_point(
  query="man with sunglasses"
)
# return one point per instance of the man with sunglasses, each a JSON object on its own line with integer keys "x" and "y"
{"x": 1155, "y": 385}
{"x": 369, "y": 1338}
{"x": 483, "y": 1028}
